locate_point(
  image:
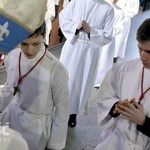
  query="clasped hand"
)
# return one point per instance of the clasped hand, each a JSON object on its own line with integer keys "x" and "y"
{"x": 84, "y": 25}
{"x": 130, "y": 110}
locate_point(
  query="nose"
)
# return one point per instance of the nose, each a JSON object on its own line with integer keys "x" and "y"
{"x": 29, "y": 49}
{"x": 143, "y": 56}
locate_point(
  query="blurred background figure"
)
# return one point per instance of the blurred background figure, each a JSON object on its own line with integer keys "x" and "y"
{"x": 129, "y": 8}
{"x": 106, "y": 53}
{"x": 11, "y": 139}
{"x": 146, "y": 5}
{"x": 56, "y": 35}
{"x": 142, "y": 2}
{"x": 49, "y": 17}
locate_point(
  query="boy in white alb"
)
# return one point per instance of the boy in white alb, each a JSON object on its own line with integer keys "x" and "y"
{"x": 35, "y": 97}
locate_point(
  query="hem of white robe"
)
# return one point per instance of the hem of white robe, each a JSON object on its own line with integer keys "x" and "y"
{"x": 57, "y": 146}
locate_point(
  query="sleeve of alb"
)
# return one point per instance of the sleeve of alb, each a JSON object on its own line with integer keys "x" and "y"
{"x": 112, "y": 109}
{"x": 145, "y": 129}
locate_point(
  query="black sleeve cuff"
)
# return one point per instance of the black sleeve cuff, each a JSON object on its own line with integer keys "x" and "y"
{"x": 145, "y": 129}
{"x": 77, "y": 32}
{"x": 111, "y": 111}
{"x": 89, "y": 36}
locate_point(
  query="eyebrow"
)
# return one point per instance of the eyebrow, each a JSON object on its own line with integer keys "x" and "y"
{"x": 31, "y": 43}
{"x": 147, "y": 51}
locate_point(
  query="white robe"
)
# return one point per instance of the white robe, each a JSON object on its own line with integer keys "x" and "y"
{"x": 107, "y": 52}
{"x": 40, "y": 110}
{"x": 79, "y": 54}
{"x": 11, "y": 139}
{"x": 122, "y": 82}
{"x": 130, "y": 8}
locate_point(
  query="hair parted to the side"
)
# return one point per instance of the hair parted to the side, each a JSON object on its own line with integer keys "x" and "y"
{"x": 143, "y": 32}
{"x": 39, "y": 31}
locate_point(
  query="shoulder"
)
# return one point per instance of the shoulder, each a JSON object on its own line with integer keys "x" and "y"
{"x": 129, "y": 65}
{"x": 12, "y": 56}
{"x": 123, "y": 69}
{"x": 15, "y": 52}
{"x": 106, "y": 7}
{"x": 59, "y": 73}
{"x": 106, "y": 4}
{"x": 54, "y": 62}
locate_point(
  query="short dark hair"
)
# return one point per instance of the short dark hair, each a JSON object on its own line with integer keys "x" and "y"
{"x": 39, "y": 31}
{"x": 143, "y": 32}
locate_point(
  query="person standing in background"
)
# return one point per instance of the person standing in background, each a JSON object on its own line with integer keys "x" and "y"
{"x": 87, "y": 26}
{"x": 107, "y": 52}
{"x": 49, "y": 17}
{"x": 55, "y": 35}
{"x": 129, "y": 8}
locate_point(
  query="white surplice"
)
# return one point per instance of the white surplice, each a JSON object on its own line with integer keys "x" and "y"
{"x": 122, "y": 82}
{"x": 107, "y": 52}
{"x": 130, "y": 8}
{"x": 39, "y": 111}
{"x": 79, "y": 54}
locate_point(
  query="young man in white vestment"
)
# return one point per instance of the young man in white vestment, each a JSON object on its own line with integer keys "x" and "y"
{"x": 124, "y": 100}
{"x": 129, "y": 8}
{"x": 87, "y": 26}
{"x": 35, "y": 97}
{"x": 107, "y": 52}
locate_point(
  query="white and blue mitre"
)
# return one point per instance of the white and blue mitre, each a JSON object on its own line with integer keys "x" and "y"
{"x": 18, "y": 19}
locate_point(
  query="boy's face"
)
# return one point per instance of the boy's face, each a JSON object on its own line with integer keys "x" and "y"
{"x": 31, "y": 46}
{"x": 144, "y": 51}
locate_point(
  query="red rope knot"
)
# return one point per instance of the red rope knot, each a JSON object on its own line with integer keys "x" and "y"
{"x": 19, "y": 81}
{"x": 141, "y": 97}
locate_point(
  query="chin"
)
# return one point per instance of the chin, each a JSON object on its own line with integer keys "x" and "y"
{"x": 30, "y": 57}
{"x": 146, "y": 66}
